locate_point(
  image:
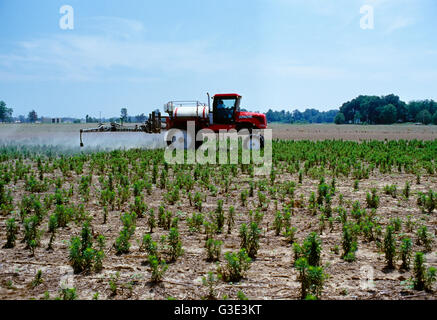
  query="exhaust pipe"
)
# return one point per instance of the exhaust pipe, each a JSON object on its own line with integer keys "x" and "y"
{"x": 209, "y": 109}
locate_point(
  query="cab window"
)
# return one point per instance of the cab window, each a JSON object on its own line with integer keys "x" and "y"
{"x": 224, "y": 109}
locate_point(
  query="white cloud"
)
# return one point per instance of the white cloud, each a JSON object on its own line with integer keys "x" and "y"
{"x": 399, "y": 23}
{"x": 115, "y": 26}
{"x": 115, "y": 44}
{"x": 126, "y": 54}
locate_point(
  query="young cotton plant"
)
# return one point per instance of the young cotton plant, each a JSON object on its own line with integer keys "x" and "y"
{"x": 368, "y": 227}
{"x": 357, "y": 213}
{"x": 407, "y": 190}
{"x": 11, "y": 233}
{"x": 389, "y": 246}
{"x": 312, "y": 203}
{"x": 32, "y": 234}
{"x": 219, "y": 216}
{"x": 427, "y": 202}
{"x": 423, "y": 277}
{"x": 151, "y": 220}
{"x": 277, "y": 223}
{"x": 322, "y": 191}
{"x": 231, "y": 219}
{"x": 113, "y": 283}
{"x": 37, "y": 280}
{"x": 236, "y": 266}
{"x": 210, "y": 281}
{"x": 290, "y": 234}
{"x": 372, "y": 199}
{"x": 139, "y": 207}
{"x": 391, "y": 190}
{"x": 173, "y": 195}
{"x": 250, "y": 238}
{"x": 311, "y": 278}
{"x": 52, "y": 227}
{"x": 312, "y": 247}
{"x": 195, "y": 222}
{"x": 83, "y": 257}
{"x": 424, "y": 238}
{"x": 263, "y": 202}
{"x": 158, "y": 268}
{"x": 349, "y": 243}
{"x": 6, "y": 200}
{"x": 405, "y": 253}
{"x": 198, "y": 201}
{"x": 213, "y": 249}
{"x": 175, "y": 244}
{"x": 122, "y": 243}
{"x": 243, "y": 197}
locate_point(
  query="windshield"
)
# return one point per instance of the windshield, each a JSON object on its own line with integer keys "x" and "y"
{"x": 226, "y": 103}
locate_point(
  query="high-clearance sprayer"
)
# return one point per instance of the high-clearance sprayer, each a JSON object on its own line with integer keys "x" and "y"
{"x": 225, "y": 114}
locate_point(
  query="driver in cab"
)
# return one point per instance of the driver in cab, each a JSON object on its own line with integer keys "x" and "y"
{"x": 223, "y": 110}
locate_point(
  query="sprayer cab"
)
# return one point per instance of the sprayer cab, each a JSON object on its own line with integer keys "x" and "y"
{"x": 228, "y": 115}
{"x": 226, "y": 107}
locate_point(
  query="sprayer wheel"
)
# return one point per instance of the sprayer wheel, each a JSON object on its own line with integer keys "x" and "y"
{"x": 254, "y": 142}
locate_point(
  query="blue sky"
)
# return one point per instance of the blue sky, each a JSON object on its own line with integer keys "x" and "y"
{"x": 280, "y": 54}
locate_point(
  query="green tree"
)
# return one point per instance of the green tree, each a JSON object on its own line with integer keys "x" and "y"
{"x": 434, "y": 118}
{"x": 339, "y": 118}
{"x": 424, "y": 117}
{"x": 371, "y": 109}
{"x": 415, "y": 107}
{"x": 32, "y": 116}
{"x": 141, "y": 118}
{"x": 388, "y": 114}
{"x": 123, "y": 114}
{"x": 357, "y": 117}
{"x": 5, "y": 113}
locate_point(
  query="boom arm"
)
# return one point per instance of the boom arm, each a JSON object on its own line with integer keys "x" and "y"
{"x": 152, "y": 125}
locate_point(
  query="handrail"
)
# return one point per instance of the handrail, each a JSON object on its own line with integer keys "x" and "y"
{"x": 182, "y": 102}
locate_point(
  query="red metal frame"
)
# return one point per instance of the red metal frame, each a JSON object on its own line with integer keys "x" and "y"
{"x": 242, "y": 119}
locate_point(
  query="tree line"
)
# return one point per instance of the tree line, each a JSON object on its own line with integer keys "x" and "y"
{"x": 308, "y": 116}
{"x": 364, "y": 109}
{"x": 32, "y": 117}
{"x": 386, "y": 110}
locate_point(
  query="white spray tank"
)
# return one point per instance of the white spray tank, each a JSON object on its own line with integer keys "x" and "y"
{"x": 201, "y": 112}
{"x": 185, "y": 109}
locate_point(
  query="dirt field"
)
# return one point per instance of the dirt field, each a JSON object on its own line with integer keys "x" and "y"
{"x": 272, "y": 274}
{"x": 353, "y": 132}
